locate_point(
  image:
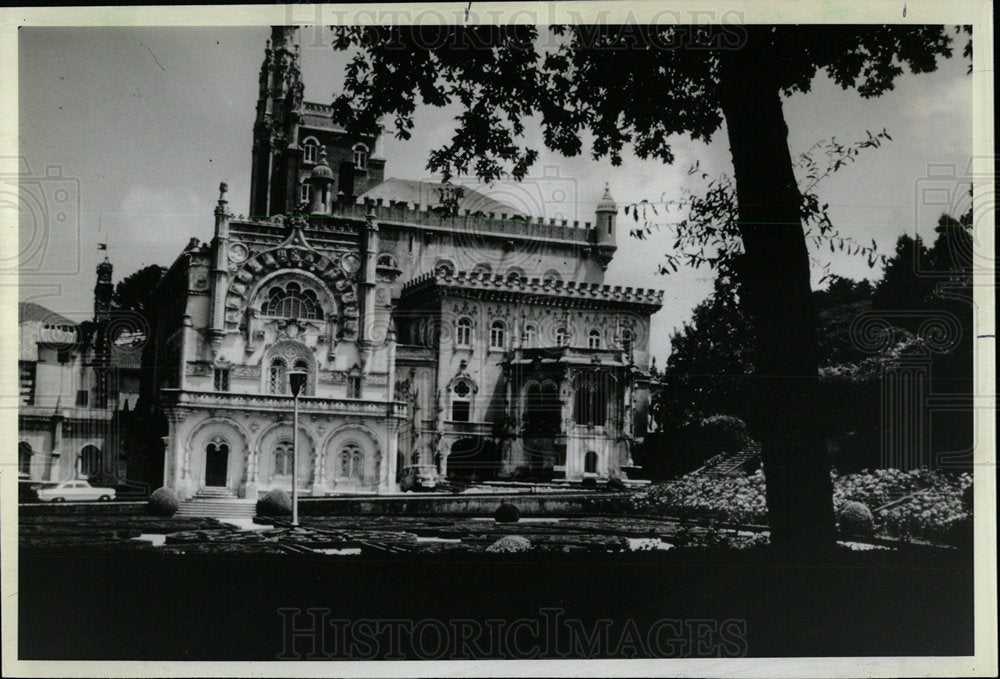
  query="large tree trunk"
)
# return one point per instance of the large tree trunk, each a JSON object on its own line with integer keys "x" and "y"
{"x": 774, "y": 277}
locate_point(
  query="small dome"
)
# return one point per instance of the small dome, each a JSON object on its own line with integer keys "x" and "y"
{"x": 607, "y": 202}
{"x": 322, "y": 169}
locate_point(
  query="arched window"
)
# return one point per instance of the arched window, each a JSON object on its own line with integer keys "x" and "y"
{"x": 463, "y": 332}
{"x": 482, "y": 269}
{"x": 276, "y": 382}
{"x": 542, "y": 409}
{"x": 498, "y": 332}
{"x": 594, "y": 339}
{"x": 590, "y": 400}
{"x": 515, "y": 276}
{"x": 303, "y": 365}
{"x": 386, "y": 260}
{"x": 291, "y": 301}
{"x": 529, "y": 337}
{"x": 352, "y": 461}
{"x": 90, "y": 461}
{"x": 360, "y": 156}
{"x": 551, "y": 277}
{"x": 305, "y": 193}
{"x": 461, "y": 401}
{"x": 590, "y": 462}
{"x": 562, "y": 337}
{"x": 310, "y": 151}
{"x": 445, "y": 268}
{"x": 283, "y": 458}
{"x": 627, "y": 341}
{"x": 24, "y": 457}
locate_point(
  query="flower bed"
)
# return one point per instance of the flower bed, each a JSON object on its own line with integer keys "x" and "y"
{"x": 934, "y": 512}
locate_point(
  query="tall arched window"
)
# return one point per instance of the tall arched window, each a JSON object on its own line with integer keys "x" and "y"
{"x": 352, "y": 461}
{"x": 461, "y": 401}
{"x": 90, "y": 461}
{"x": 463, "y": 332}
{"x": 562, "y": 337}
{"x": 529, "y": 336}
{"x": 594, "y": 339}
{"x": 310, "y": 151}
{"x": 360, "y": 156}
{"x": 590, "y": 462}
{"x": 627, "y": 341}
{"x": 498, "y": 335}
{"x": 590, "y": 400}
{"x": 24, "y": 457}
{"x": 305, "y": 193}
{"x": 283, "y": 458}
{"x": 303, "y": 365}
{"x": 276, "y": 382}
{"x": 291, "y": 301}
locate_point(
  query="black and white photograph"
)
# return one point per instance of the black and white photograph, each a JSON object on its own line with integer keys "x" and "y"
{"x": 469, "y": 339}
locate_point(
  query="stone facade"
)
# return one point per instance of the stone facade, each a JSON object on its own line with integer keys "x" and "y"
{"x": 454, "y": 339}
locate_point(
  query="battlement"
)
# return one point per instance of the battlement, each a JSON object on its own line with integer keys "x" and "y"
{"x": 500, "y": 225}
{"x": 563, "y": 292}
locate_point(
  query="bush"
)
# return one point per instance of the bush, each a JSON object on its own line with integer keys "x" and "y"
{"x": 275, "y": 503}
{"x": 724, "y": 433}
{"x": 856, "y": 519}
{"x": 510, "y": 544}
{"x": 163, "y": 502}
{"x": 589, "y": 483}
{"x": 615, "y": 484}
{"x": 507, "y": 513}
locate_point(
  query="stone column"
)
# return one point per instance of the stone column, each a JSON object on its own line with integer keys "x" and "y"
{"x": 317, "y": 472}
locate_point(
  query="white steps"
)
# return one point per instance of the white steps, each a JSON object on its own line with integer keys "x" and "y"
{"x": 217, "y": 503}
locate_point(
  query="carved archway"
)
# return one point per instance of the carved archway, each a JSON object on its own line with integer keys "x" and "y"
{"x": 336, "y": 274}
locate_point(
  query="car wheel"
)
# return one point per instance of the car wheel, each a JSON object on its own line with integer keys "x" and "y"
{"x": 104, "y": 498}
{"x": 59, "y": 499}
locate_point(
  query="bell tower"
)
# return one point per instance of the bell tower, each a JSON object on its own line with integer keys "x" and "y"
{"x": 273, "y": 180}
{"x": 103, "y": 290}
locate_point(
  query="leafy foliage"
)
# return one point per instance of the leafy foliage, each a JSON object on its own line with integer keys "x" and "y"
{"x": 134, "y": 292}
{"x": 709, "y": 232}
{"x": 931, "y": 514}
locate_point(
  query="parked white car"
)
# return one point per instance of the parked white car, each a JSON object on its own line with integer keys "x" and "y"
{"x": 74, "y": 491}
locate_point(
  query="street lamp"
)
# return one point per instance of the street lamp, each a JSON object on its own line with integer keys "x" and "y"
{"x": 297, "y": 381}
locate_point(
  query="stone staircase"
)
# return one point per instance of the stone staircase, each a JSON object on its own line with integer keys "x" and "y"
{"x": 731, "y": 463}
{"x": 217, "y": 503}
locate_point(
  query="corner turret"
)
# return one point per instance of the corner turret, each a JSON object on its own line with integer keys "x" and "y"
{"x": 605, "y": 236}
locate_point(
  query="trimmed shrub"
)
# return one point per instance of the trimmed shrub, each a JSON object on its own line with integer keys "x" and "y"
{"x": 615, "y": 484}
{"x": 507, "y": 513}
{"x": 275, "y": 503}
{"x": 510, "y": 544}
{"x": 856, "y": 519}
{"x": 589, "y": 483}
{"x": 163, "y": 502}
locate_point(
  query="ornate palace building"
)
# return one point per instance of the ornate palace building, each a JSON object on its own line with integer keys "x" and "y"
{"x": 444, "y": 333}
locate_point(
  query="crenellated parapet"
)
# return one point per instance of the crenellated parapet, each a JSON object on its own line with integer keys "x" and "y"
{"x": 542, "y": 291}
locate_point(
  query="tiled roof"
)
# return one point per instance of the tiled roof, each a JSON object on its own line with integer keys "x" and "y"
{"x": 564, "y": 292}
{"x": 29, "y": 311}
{"x": 424, "y": 193}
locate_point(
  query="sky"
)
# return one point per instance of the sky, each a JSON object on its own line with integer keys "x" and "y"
{"x": 126, "y": 133}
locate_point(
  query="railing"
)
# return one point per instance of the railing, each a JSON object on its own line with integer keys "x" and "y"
{"x": 67, "y": 412}
{"x": 275, "y": 402}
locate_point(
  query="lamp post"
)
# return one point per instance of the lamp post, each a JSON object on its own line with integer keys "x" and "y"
{"x": 297, "y": 381}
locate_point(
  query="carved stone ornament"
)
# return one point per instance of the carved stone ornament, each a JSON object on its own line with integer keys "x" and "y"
{"x": 238, "y": 252}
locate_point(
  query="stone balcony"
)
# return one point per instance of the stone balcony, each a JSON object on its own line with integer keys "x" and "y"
{"x": 308, "y": 405}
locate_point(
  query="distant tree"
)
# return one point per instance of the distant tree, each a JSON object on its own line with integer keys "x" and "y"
{"x": 134, "y": 292}
{"x": 637, "y": 85}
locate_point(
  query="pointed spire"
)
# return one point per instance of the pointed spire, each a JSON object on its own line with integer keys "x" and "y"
{"x": 607, "y": 201}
